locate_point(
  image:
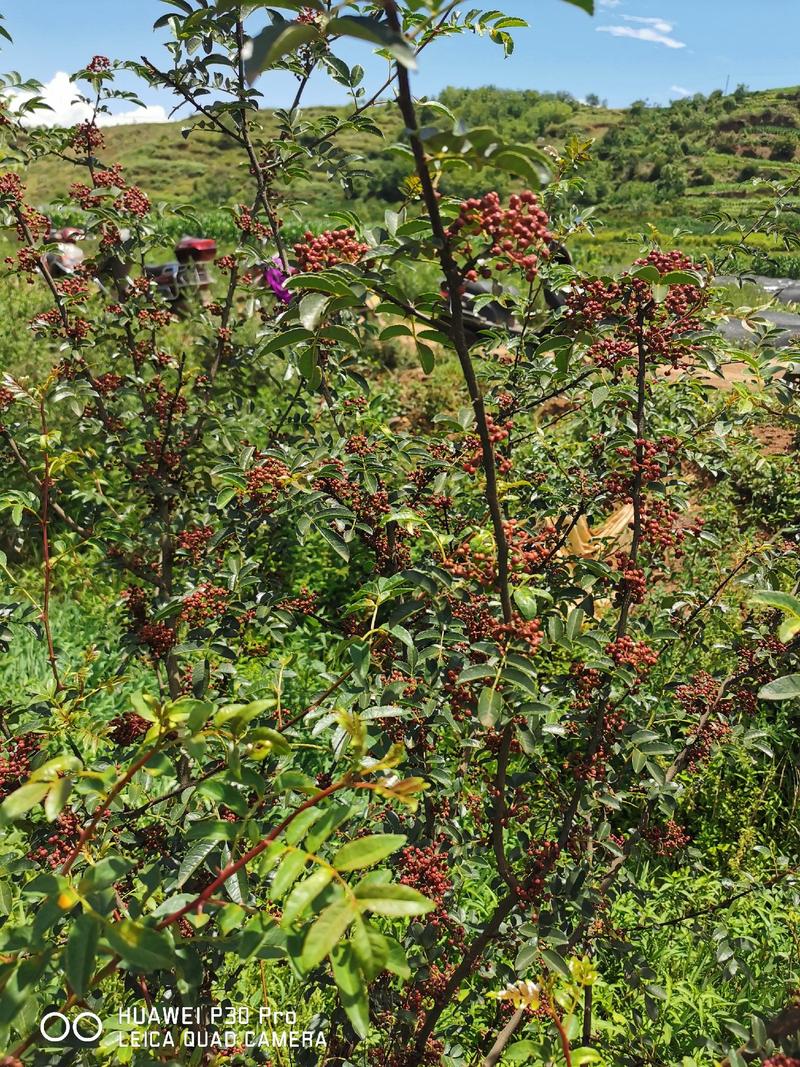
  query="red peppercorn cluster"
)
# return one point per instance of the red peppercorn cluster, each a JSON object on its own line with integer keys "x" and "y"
{"x": 304, "y": 604}
{"x": 249, "y": 225}
{"x": 528, "y": 551}
{"x": 159, "y": 638}
{"x": 426, "y": 869}
{"x": 153, "y": 839}
{"x": 588, "y": 682}
{"x": 359, "y": 445}
{"x": 661, "y": 525}
{"x": 194, "y": 541}
{"x": 28, "y": 261}
{"x": 431, "y": 1056}
{"x": 707, "y": 737}
{"x": 133, "y": 201}
{"x": 84, "y": 196}
{"x": 154, "y": 316}
{"x": 74, "y": 287}
{"x": 780, "y": 1060}
{"x": 542, "y": 857}
{"x": 7, "y": 398}
{"x": 472, "y": 564}
{"x": 473, "y": 454}
{"x": 660, "y": 329}
{"x": 15, "y": 761}
{"x": 636, "y": 655}
{"x": 308, "y": 16}
{"x": 495, "y": 238}
{"x": 59, "y": 845}
{"x": 595, "y": 766}
{"x": 611, "y": 351}
{"x": 527, "y": 632}
{"x": 111, "y": 178}
{"x": 12, "y": 190}
{"x": 476, "y": 615}
{"x": 668, "y": 839}
{"x": 106, "y": 384}
{"x": 225, "y": 263}
{"x": 327, "y": 249}
{"x": 37, "y": 224}
{"x": 265, "y": 482}
{"x": 697, "y": 695}
{"x": 126, "y": 729}
{"x": 462, "y": 699}
{"x": 632, "y": 585}
{"x": 86, "y": 137}
{"x": 391, "y": 554}
{"x": 98, "y": 64}
{"x": 754, "y": 661}
{"x": 207, "y": 602}
{"x": 76, "y": 329}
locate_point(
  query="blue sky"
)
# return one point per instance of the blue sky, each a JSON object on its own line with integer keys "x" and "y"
{"x": 649, "y": 49}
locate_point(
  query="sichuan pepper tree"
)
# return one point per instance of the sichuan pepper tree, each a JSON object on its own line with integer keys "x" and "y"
{"x": 372, "y": 733}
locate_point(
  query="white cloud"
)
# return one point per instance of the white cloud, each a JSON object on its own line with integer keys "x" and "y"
{"x": 60, "y": 93}
{"x": 661, "y": 25}
{"x": 609, "y": 3}
{"x": 655, "y": 30}
{"x": 680, "y": 91}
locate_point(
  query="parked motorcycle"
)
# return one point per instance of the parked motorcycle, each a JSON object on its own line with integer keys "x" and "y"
{"x": 67, "y": 256}
{"x": 188, "y": 276}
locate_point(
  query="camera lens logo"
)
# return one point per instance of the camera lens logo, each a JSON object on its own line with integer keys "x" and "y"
{"x": 59, "y": 1031}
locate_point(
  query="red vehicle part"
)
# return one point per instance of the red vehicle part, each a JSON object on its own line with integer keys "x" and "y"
{"x": 199, "y": 249}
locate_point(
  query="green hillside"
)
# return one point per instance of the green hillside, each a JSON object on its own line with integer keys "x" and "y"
{"x": 667, "y": 167}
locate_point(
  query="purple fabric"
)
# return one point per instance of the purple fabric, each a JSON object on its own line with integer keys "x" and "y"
{"x": 275, "y": 277}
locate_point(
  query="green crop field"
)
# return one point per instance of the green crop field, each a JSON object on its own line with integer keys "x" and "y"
{"x": 667, "y": 171}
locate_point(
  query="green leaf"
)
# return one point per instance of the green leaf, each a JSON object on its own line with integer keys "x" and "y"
{"x": 370, "y": 947}
{"x": 490, "y": 705}
{"x": 352, "y": 988}
{"x": 427, "y": 360}
{"x": 290, "y": 869}
{"x": 330, "y": 822}
{"x": 682, "y": 277}
{"x": 192, "y": 860}
{"x": 775, "y": 599}
{"x": 274, "y": 42}
{"x": 525, "y": 599}
{"x": 57, "y": 798}
{"x": 368, "y": 29}
{"x": 584, "y": 5}
{"x": 786, "y": 688}
{"x": 326, "y": 932}
{"x": 337, "y": 543}
{"x": 585, "y": 1055}
{"x": 304, "y": 893}
{"x": 397, "y": 962}
{"x": 367, "y": 851}
{"x": 394, "y": 901}
{"x": 22, "y": 800}
{"x": 522, "y": 1052}
{"x": 312, "y": 307}
{"x": 143, "y": 947}
{"x": 519, "y": 164}
{"x": 288, "y": 339}
{"x": 104, "y": 873}
{"x": 398, "y": 330}
{"x": 80, "y": 953}
{"x": 555, "y": 961}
